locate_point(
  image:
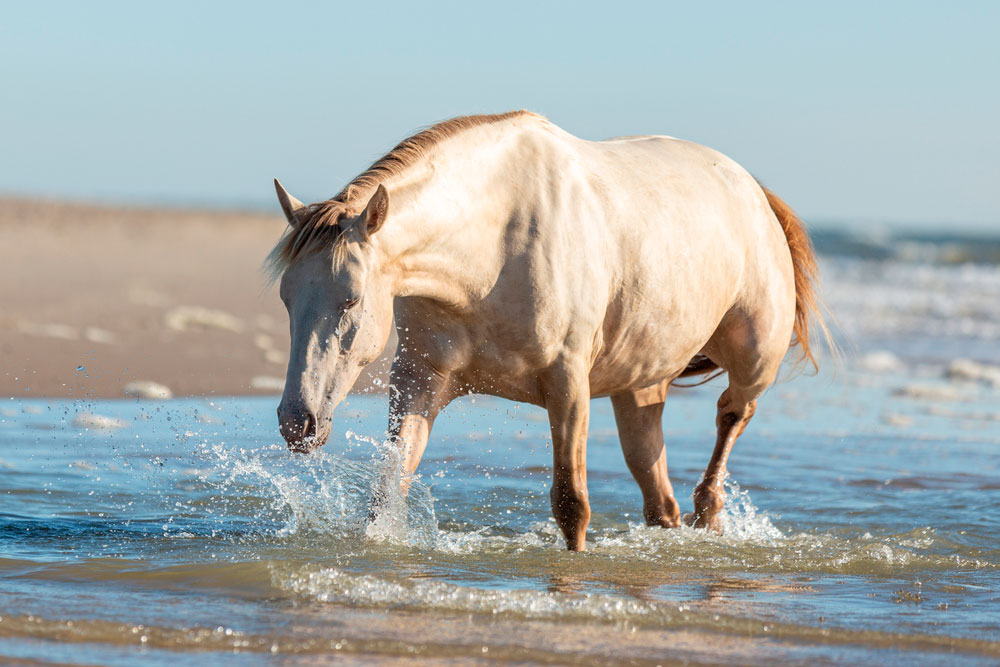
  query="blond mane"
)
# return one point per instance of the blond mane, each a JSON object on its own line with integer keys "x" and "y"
{"x": 320, "y": 227}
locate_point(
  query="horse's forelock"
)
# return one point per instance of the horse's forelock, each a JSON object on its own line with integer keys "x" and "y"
{"x": 318, "y": 230}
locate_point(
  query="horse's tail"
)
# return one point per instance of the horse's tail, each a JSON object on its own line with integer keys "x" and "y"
{"x": 807, "y": 305}
{"x": 806, "y": 301}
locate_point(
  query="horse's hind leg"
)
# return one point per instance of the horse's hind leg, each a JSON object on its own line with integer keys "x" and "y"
{"x": 709, "y": 495}
{"x": 640, "y": 428}
{"x": 750, "y": 349}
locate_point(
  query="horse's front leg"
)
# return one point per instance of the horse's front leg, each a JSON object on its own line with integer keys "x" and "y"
{"x": 567, "y": 399}
{"x": 418, "y": 392}
{"x": 639, "y": 414}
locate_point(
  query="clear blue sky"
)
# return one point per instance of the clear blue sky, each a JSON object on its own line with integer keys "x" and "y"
{"x": 852, "y": 111}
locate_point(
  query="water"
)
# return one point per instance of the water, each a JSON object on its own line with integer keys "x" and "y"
{"x": 862, "y": 521}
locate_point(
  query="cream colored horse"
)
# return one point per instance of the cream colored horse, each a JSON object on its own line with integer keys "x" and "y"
{"x": 523, "y": 262}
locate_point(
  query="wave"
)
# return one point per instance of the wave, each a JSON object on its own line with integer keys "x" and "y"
{"x": 907, "y": 246}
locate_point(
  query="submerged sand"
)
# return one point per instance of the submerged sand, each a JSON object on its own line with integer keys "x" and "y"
{"x": 97, "y": 300}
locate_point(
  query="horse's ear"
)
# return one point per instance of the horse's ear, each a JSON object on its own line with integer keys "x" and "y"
{"x": 376, "y": 211}
{"x": 292, "y": 207}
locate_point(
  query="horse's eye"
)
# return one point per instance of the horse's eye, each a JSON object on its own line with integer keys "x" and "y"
{"x": 347, "y": 305}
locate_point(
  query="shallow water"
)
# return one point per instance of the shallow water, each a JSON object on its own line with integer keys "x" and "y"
{"x": 861, "y": 522}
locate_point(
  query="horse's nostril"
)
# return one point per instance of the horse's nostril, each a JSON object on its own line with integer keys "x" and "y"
{"x": 298, "y": 427}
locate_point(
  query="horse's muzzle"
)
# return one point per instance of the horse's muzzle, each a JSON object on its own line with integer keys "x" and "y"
{"x": 299, "y": 429}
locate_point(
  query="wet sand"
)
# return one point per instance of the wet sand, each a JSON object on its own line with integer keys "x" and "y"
{"x": 171, "y": 297}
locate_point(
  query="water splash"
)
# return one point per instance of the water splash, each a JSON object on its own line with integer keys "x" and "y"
{"x": 329, "y": 495}
{"x": 324, "y": 495}
{"x": 742, "y": 521}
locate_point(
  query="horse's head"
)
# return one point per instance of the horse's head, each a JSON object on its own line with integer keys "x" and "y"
{"x": 339, "y": 310}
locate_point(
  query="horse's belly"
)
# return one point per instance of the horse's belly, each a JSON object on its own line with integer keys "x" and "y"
{"x": 623, "y": 371}
{"x": 643, "y": 354}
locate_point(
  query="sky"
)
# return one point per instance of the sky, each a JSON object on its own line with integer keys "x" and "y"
{"x": 854, "y": 112}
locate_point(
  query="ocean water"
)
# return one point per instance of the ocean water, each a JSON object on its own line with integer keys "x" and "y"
{"x": 862, "y": 525}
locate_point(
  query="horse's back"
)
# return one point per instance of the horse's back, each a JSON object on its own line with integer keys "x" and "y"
{"x": 699, "y": 210}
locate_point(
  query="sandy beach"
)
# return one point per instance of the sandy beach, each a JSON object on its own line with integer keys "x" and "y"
{"x": 95, "y": 298}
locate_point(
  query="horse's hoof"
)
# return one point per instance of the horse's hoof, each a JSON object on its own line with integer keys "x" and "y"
{"x": 665, "y": 522}
{"x": 712, "y": 524}
{"x": 664, "y": 517}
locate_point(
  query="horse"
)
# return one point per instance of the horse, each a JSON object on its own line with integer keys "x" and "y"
{"x": 520, "y": 261}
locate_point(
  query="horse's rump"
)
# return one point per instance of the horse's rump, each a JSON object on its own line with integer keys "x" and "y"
{"x": 806, "y": 300}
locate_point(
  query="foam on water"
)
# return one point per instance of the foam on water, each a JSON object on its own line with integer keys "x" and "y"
{"x": 330, "y": 584}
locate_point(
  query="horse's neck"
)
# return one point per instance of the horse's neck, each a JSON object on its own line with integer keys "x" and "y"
{"x": 443, "y": 236}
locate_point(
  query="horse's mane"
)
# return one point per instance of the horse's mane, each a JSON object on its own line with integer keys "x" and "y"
{"x": 319, "y": 226}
